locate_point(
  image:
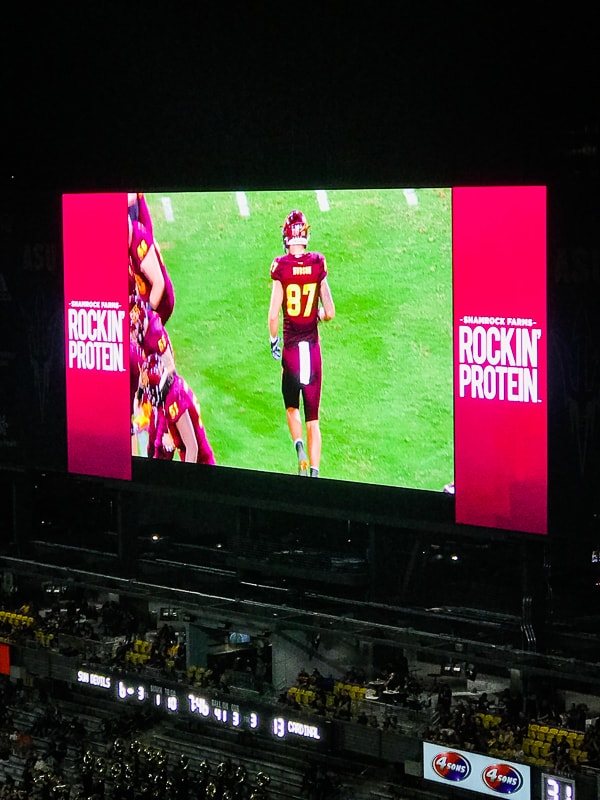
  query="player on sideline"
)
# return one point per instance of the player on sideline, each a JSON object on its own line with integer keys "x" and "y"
{"x": 301, "y": 291}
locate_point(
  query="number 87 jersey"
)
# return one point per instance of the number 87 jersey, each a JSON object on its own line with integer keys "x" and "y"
{"x": 301, "y": 277}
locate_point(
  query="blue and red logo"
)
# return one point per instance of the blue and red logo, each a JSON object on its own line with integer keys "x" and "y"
{"x": 451, "y": 766}
{"x": 502, "y": 778}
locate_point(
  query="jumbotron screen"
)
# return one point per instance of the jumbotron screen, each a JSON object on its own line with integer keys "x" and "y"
{"x": 394, "y": 337}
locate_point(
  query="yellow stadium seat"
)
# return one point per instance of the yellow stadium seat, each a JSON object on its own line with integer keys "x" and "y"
{"x": 533, "y": 730}
{"x": 542, "y": 733}
{"x": 544, "y": 749}
{"x": 552, "y": 734}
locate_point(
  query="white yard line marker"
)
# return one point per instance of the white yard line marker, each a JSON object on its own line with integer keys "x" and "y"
{"x": 322, "y": 199}
{"x": 242, "y": 202}
{"x": 167, "y": 209}
{"x": 411, "y": 197}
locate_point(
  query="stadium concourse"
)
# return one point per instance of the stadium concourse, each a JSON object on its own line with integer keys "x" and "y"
{"x": 62, "y": 735}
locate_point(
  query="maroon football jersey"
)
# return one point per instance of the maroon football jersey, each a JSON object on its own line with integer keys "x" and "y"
{"x": 180, "y": 398}
{"x": 141, "y": 243}
{"x": 155, "y": 338}
{"x": 301, "y": 278}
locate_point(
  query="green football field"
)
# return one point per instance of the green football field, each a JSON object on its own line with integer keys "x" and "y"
{"x": 386, "y": 412}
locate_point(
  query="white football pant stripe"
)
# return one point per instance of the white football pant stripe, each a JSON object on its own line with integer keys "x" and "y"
{"x": 304, "y": 353}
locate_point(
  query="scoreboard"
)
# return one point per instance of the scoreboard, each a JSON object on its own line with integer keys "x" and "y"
{"x": 556, "y": 787}
{"x": 210, "y": 707}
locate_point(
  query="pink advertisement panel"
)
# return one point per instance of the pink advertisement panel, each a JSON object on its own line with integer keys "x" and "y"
{"x": 500, "y": 350}
{"x": 97, "y": 334}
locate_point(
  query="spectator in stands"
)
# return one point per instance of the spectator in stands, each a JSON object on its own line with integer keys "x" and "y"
{"x": 576, "y": 717}
{"x": 591, "y": 743}
{"x": 444, "y": 699}
{"x": 343, "y": 705}
{"x": 483, "y": 703}
{"x": 559, "y": 753}
{"x": 9, "y": 790}
{"x": 479, "y": 737}
{"x": 303, "y": 678}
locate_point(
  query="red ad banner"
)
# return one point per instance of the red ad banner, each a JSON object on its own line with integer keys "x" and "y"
{"x": 97, "y": 334}
{"x": 500, "y": 351}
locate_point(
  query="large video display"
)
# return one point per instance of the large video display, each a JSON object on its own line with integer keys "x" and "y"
{"x": 393, "y": 337}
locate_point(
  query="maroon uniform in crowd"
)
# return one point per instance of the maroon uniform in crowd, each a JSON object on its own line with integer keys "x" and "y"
{"x": 141, "y": 247}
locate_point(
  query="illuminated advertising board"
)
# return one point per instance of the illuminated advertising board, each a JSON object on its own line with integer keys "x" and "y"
{"x": 475, "y": 772}
{"x": 501, "y": 403}
{"x": 409, "y": 331}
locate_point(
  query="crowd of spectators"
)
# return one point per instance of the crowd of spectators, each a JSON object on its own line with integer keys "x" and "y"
{"x": 561, "y": 741}
{"x": 120, "y": 769}
{"x": 498, "y": 724}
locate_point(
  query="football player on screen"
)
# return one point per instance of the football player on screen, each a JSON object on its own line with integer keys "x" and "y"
{"x": 151, "y": 303}
{"x": 175, "y": 424}
{"x": 139, "y": 210}
{"x": 148, "y": 336}
{"x": 147, "y": 271}
{"x": 301, "y": 292}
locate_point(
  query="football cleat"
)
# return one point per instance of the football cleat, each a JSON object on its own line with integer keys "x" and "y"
{"x": 303, "y": 465}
